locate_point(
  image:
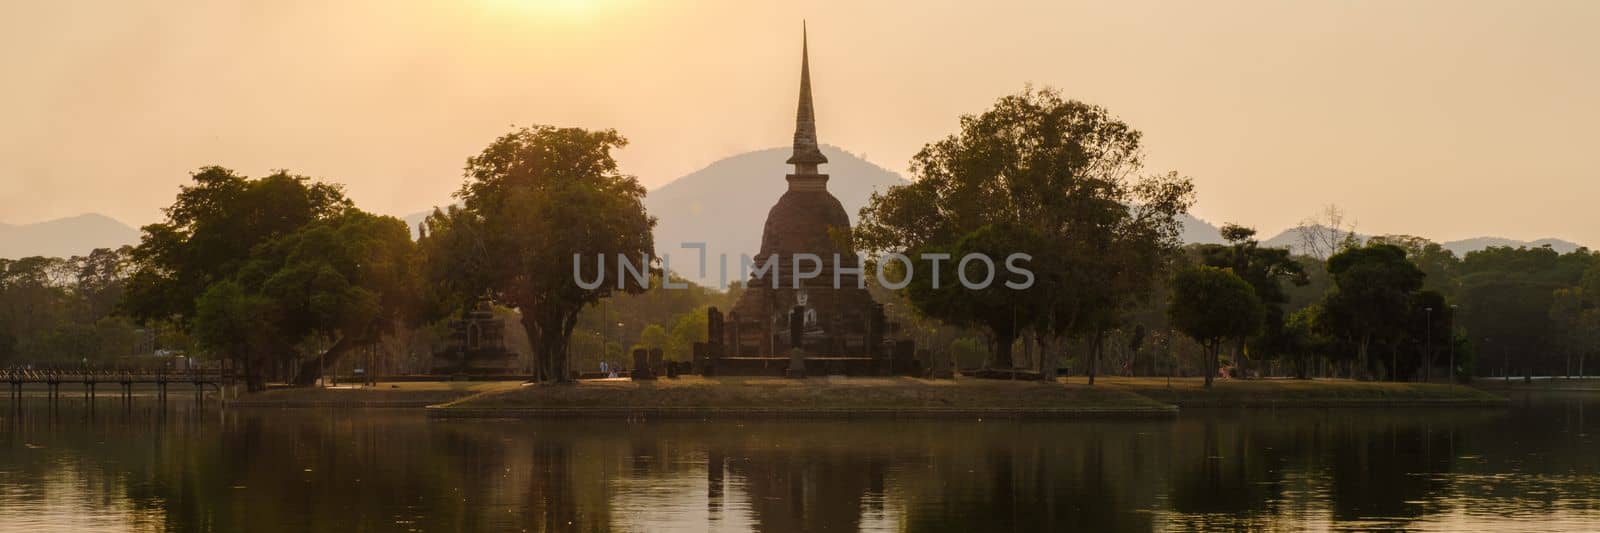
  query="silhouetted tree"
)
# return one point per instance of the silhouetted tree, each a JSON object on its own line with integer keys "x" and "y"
{"x": 1035, "y": 168}
{"x": 1211, "y": 305}
{"x": 533, "y": 201}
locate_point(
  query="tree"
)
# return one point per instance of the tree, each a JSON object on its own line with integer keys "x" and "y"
{"x": 1055, "y": 175}
{"x": 209, "y": 231}
{"x": 1576, "y": 314}
{"x": 1302, "y": 339}
{"x": 533, "y": 202}
{"x": 687, "y": 329}
{"x": 1374, "y": 287}
{"x": 654, "y": 337}
{"x": 1428, "y": 333}
{"x": 1266, "y": 270}
{"x": 314, "y": 295}
{"x": 55, "y": 310}
{"x": 998, "y": 308}
{"x": 1439, "y": 265}
{"x": 1327, "y": 234}
{"x": 231, "y": 319}
{"x": 1211, "y": 305}
{"x": 1507, "y": 296}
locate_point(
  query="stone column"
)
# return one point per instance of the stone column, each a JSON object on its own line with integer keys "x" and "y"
{"x": 734, "y": 342}
{"x": 641, "y": 365}
{"x": 706, "y": 361}
{"x": 655, "y": 362}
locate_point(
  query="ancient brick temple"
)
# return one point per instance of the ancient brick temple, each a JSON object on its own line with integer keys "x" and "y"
{"x": 476, "y": 345}
{"x": 840, "y": 327}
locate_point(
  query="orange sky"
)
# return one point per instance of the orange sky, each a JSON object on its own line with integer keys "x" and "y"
{"x": 1448, "y": 119}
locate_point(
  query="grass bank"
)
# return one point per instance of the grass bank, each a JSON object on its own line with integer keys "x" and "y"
{"x": 398, "y": 394}
{"x": 1543, "y": 384}
{"x": 821, "y": 397}
{"x": 1191, "y": 393}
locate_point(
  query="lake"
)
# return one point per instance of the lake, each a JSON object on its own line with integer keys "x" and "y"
{"x": 140, "y": 467}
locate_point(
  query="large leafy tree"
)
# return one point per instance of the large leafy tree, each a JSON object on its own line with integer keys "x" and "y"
{"x": 1440, "y": 265}
{"x": 314, "y": 295}
{"x": 209, "y": 232}
{"x": 1576, "y": 313}
{"x": 1266, "y": 269}
{"x": 1506, "y": 297}
{"x": 533, "y": 201}
{"x": 1036, "y": 168}
{"x": 55, "y": 310}
{"x": 1211, "y": 305}
{"x": 1374, "y": 289}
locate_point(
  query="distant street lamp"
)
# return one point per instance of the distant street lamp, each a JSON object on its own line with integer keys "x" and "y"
{"x": 1427, "y": 351}
{"x": 1452, "y": 331}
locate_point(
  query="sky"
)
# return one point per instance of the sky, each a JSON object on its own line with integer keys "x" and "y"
{"x": 1447, "y": 119}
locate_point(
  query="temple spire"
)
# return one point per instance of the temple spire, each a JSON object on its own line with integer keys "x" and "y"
{"x": 807, "y": 155}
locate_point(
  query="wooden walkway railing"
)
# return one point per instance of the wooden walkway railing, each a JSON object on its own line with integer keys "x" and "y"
{"x": 125, "y": 379}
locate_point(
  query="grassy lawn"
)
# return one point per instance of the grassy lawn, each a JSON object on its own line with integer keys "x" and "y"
{"x": 1190, "y": 392}
{"x": 1586, "y": 384}
{"x": 826, "y": 396}
{"x": 822, "y": 394}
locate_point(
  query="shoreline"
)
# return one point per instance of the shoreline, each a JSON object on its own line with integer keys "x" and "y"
{"x": 441, "y": 412}
{"x": 697, "y": 397}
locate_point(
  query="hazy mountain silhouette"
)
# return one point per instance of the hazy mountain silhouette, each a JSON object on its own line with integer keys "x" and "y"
{"x": 1291, "y": 239}
{"x": 64, "y": 237}
{"x": 1463, "y": 246}
{"x": 725, "y": 204}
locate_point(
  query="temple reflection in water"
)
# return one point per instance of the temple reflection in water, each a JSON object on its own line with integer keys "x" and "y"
{"x": 317, "y": 470}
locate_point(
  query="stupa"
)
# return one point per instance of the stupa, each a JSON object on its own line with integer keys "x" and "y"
{"x": 806, "y": 220}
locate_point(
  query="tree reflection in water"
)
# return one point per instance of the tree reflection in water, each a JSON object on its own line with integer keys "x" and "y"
{"x": 325, "y": 470}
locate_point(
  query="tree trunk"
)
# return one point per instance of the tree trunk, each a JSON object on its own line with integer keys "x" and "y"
{"x": 1094, "y": 353}
{"x": 1047, "y": 358}
{"x": 311, "y": 369}
{"x": 1361, "y": 358}
{"x": 1211, "y": 348}
{"x": 548, "y": 332}
{"x": 1002, "y": 351}
{"x": 253, "y": 380}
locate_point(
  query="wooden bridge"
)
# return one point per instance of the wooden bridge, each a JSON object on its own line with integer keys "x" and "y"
{"x": 88, "y": 379}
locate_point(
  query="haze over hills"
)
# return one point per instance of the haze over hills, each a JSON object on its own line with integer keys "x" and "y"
{"x": 723, "y": 205}
{"x": 65, "y": 237}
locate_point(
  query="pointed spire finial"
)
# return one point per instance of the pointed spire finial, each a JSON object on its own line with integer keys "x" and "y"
{"x": 807, "y": 155}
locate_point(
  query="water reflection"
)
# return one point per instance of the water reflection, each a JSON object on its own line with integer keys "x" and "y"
{"x": 144, "y": 468}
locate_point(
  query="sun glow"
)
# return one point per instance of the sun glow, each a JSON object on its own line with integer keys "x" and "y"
{"x": 552, "y": 8}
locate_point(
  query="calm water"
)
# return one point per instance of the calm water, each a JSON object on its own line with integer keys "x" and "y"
{"x": 1534, "y": 466}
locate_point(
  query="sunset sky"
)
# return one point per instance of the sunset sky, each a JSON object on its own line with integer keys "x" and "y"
{"x": 1447, "y": 119}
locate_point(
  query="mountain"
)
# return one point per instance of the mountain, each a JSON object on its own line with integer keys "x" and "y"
{"x": 1463, "y": 246}
{"x": 1290, "y": 239}
{"x": 1196, "y": 231}
{"x": 65, "y": 237}
{"x": 725, "y": 204}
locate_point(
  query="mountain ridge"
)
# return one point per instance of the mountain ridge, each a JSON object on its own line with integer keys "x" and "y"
{"x": 65, "y": 237}
{"x": 723, "y": 205}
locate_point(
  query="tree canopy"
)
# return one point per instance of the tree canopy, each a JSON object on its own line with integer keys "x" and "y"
{"x": 1211, "y": 305}
{"x": 1056, "y": 174}
{"x": 1374, "y": 289}
{"x": 210, "y": 230}
{"x": 533, "y": 201}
